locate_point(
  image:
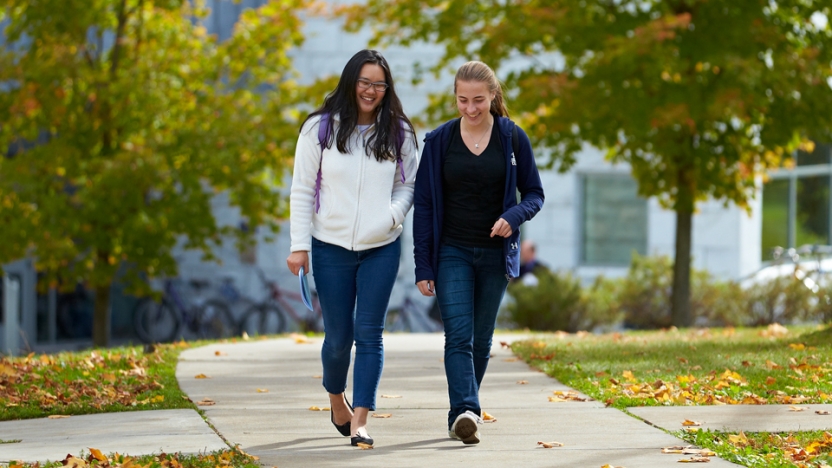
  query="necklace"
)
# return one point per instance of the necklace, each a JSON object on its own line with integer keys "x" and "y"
{"x": 477, "y": 144}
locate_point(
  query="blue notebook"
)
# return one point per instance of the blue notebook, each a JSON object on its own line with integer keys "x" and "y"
{"x": 305, "y": 295}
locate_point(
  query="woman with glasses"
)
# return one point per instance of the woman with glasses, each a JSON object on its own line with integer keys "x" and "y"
{"x": 355, "y": 165}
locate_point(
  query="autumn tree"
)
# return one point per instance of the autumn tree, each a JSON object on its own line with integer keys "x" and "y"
{"x": 122, "y": 119}
{"x": 700, "y": 97}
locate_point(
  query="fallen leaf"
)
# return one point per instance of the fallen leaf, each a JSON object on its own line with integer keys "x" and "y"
{"x": 317, "y": 376}
{"x": 610, "y": 466}
{"x": 391, "y": 396}
{"x": 692, "y": 429}
{"x": 58, "y": 416}
{"x": 746, "y": 364}
{"x": 797, "y": 408}
{"x": 522, "y": 382}
{"x": 770, "y": 380}
{"x": 688, "y": 450}
{"x": 315, "y": 408}
{"x": 511, "y": 359}
{"x": 695, "y": 459}
{"x": 300, "y": 339}
{"x": 688, "y": 422}
{"x": 95, "y": 453}
{"x": 206, "y": 402}
{"x": 504, "y": 344}
{"x": 382, "y": 415}
{"x": 220, "y": 353}
{"x": 364, "y": 446}
{"x": 488, "y": 418}
{"x": 550, "y": 444}
{"x": 201, "y": 376}
{"x": 72, "y": 462}
{"x": 822, "y": 412}
{"x": 262, "y": 390}
{"x": 797, "y": 346}
{"x": 682, "y": 360}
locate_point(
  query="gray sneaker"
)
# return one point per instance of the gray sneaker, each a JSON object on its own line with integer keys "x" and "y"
{"x": 465, "y": 428}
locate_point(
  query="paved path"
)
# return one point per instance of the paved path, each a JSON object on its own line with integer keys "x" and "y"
{"x": 278, "y": 426}
{"x": 263, "y": 390}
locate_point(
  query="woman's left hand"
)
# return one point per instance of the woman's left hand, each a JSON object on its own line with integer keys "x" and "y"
{"x": 501, "y": 228}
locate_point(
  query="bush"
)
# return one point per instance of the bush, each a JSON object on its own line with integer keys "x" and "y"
{"x": 642, "y": 300}
{"x": 552, "y": 304}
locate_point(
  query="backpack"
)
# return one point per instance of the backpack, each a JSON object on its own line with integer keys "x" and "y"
{"x": 324, "y": 132}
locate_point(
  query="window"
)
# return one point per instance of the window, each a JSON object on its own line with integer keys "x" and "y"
{"x": 613, "y": 220}
{"x": 796, "y": 203}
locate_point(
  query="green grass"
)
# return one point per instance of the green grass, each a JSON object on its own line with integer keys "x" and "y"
{"x": 700, "y": 367}
{"x": 224, "y": 458}
{"x": 94, "y": 381}
{"x": 705, "y": 366}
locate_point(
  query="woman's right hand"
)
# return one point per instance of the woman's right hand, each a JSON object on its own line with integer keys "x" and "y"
{"x": 298, "y": 259}
{"x": 427, "y": 287}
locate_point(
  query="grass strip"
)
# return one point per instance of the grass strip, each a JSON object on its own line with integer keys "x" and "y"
{"x": 771, "y": 365}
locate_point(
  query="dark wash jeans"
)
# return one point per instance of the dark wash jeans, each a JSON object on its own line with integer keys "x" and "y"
{"x": 470, "y": 284}
{"x": 354, "y": 289}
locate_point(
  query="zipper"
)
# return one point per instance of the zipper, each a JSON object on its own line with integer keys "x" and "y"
{"x": 360, "y": 180}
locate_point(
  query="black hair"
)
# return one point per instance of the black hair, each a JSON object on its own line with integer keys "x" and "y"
{"x": 384, "y": 142}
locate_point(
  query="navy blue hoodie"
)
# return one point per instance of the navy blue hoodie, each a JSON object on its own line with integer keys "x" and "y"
{"x": 521, "y": 174}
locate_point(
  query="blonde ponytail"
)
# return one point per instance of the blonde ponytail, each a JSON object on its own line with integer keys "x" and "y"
{"x": 482, "y": 73}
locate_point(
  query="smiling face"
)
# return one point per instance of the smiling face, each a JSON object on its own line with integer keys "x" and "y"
{"x": 369, "y": 99}
{"x": 473, "y": 99}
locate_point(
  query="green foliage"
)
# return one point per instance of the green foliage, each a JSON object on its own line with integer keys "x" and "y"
{"x": 140, "y": 119}
{"x": 559, "y": 302}
{"x": 699, "y": 97}
{"x": 641, "y": 300}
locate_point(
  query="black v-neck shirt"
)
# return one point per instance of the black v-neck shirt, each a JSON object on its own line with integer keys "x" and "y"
{"x": 473, "y": 187}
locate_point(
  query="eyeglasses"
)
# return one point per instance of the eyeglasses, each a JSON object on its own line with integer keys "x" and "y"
{"x": 378, "y": 86}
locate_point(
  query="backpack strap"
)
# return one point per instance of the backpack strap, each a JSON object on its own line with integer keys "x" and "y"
{"x": 324, "y": 133}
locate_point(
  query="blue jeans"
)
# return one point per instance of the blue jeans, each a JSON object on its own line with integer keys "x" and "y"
{"x": 354, "y": 289}
{"x": 470, "y": 284}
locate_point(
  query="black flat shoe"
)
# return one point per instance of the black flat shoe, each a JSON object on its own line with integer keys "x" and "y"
{"x": 344, "y": 429}
{"x": 358, "y": 439}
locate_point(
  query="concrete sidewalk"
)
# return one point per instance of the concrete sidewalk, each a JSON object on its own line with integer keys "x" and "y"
{"x": 263, "y": 390}
{"x": 278, "y": 426}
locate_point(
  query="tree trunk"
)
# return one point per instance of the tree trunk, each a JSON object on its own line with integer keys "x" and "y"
{"x": 680, "y": 297}
{"x": 101, "y": 317}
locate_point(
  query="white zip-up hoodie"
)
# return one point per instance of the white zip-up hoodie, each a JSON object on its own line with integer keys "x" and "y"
{"x": 363, "y": 201}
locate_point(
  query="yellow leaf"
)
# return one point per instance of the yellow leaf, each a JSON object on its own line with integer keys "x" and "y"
{"x": 797, "y": 346}
{"x": 262, "y": 390}
{"x": 797, "y": 409}
{"x": 58, "y": 416}
{"x": 95, "y": 453}
{"x": 315, "y": 408}
{"x": 738, "y": 439}
{"x": 201, "y": 376}
{"x": 72, "y": 462}
{"x": 206, "y": 402}
{"x": 220, "y": 353}
{"x": 770, "y": 380}
{"x": 695, "y": 459}
{"x": 364, "y": 446}
{"x": 488, "y": 418}
{"x": 157, "y": 399}
{"x": 688, "y": 422}
{"x": 382, "y": 415}
{"x": 629, "y": 376}
{"x": 299, "y": 339}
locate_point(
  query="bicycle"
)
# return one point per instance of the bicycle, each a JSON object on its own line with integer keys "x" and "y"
{"x": 157, "y": 322}
{"x": 411, "y": 317}
{"x": 270, "y": 316}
